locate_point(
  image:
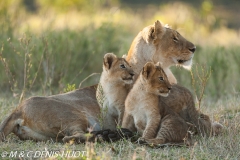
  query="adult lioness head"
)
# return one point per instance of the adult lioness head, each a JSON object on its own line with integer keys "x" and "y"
{"x": 155, "y": 80}
{"x": 158, "y": 43}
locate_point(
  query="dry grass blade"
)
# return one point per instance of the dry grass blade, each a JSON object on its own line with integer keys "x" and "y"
{"x": 199, "y": 81}
{"x": 93, "y": 74}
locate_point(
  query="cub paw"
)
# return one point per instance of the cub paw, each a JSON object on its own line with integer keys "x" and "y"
{"x": 142, "y": 140}
{"x": 217, "y": 128}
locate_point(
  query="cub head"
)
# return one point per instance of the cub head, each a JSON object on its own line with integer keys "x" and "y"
{"x": 118, "y": 69}
{"x": 171, "y": 47}
{"x": 155, "y": 80}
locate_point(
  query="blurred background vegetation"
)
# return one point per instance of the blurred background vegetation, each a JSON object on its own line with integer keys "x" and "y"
{"x": 47, "y": 45}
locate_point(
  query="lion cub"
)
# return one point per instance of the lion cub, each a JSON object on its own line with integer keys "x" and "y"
{"x": 157, "y": 124}
{"x": 116, "y": 81}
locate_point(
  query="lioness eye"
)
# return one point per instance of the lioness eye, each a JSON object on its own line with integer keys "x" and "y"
{"x": 161, "y": 78}
{"x": 122, "y": 66}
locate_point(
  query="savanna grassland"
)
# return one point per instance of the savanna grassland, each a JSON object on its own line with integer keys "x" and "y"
{"x": 52, "y": 47}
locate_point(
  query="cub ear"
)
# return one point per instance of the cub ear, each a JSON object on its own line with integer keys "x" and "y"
{"x": 159, "y": 64}
{"x": 148, "y": 69}
{"x": 124, "y": 56}
{"x": 108, "y": 60}
{"x": 157, "y": 31}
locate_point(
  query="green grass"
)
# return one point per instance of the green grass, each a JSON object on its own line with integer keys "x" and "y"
{"x": 52, "y": 51}
{"x": 224, "y": 64}
{"x": 67, "y": 57}
{"x": 225, "y": 146}
{"x": 59, "y": 58}
{"x": 52, "y": 55}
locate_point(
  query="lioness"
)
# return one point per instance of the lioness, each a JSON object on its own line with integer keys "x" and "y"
{"x": 157, "y": 123}
{"x": 68, "y": 116}
{"x": 157, "y": 43}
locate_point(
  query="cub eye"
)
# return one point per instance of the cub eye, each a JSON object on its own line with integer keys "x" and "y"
{"x": 122, "y": 66}
{"x": 161, "y": 78}
{"x": 175, "y": 39}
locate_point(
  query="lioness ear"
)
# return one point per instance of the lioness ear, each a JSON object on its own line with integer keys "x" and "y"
{"x": 148, "y": 69}
{"x": 157, "y": 31}
{"x": 108, "y": 60}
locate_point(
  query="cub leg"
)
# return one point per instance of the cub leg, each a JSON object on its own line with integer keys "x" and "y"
{"x": 154, "y": 141}
{"x": 203, "y": 124}
{"x": 152, "y": 127}
{"x": 109, "y": 122}
{"x": 172, "y": 130}
{"x": 128, "y": 122}
{"x": 216, "y": 128}
{"x": 120, "y": 116}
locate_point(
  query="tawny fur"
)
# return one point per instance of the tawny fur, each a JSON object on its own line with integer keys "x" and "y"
{"x": 157, "y": 123}
{"x": 116, "y": 81}
{"x": 70, "y": 116}
{"x": 147, "y": 46}
{"x": 59, "y": 117}
{"x": 157, "y": 43}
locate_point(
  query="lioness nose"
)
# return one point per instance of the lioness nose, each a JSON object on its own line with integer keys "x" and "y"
{"x": 192, "y": 49}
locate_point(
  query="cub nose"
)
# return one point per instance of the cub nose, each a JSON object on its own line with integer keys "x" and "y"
{"x": 169, "y": 88}
{"x": 192, "y": 49}
{"x": 132, "y": 74}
